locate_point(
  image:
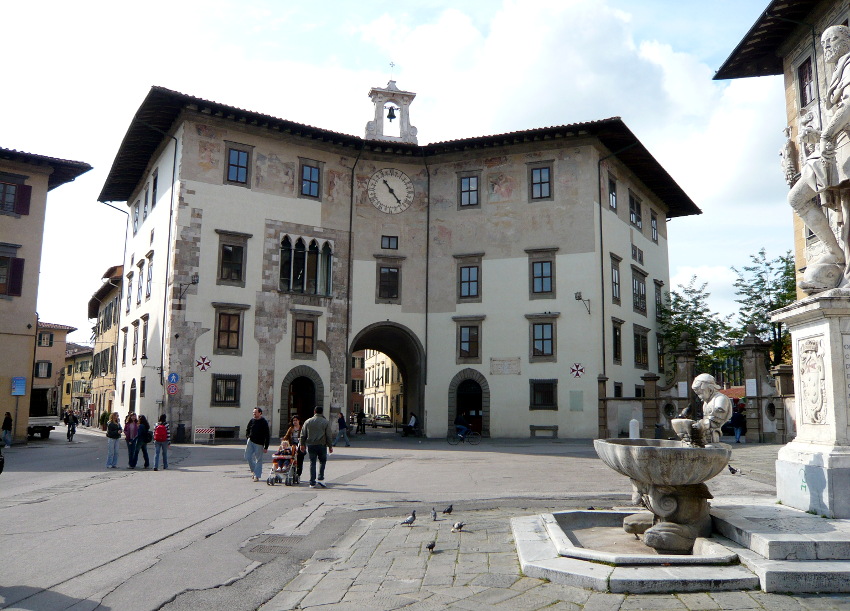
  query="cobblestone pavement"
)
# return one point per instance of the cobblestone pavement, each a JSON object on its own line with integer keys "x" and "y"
{"x": 380, "y": 564}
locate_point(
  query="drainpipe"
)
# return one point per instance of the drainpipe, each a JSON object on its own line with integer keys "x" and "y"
{"x": 427, "y": 269}
{"x": 602, "y": 250}
{"x": 350, "y": 272}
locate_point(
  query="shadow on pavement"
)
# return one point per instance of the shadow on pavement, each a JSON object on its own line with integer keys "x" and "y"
{"x": 37, "y": 599}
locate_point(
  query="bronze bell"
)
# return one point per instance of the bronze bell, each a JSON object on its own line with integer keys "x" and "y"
{"x": 391, "y": 114}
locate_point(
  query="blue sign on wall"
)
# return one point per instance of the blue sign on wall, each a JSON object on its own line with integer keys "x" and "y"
{"x": 173, "y": 378}
{"x": 19, "y": 386}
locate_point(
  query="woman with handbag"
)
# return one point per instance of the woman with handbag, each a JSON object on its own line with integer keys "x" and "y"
{"x": 144, "y": 438}
{"x": 113, "y": 438}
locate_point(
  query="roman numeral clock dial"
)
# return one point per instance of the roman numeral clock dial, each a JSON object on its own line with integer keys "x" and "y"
{"x": 390, "y": 190}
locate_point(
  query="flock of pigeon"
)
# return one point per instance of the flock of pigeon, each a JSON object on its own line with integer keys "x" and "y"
{"x": 456, "y": 527}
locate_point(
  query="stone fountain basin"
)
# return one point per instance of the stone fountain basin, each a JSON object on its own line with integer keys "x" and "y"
{"x": 597, "y": 536}
{"x": 662, "y": 462}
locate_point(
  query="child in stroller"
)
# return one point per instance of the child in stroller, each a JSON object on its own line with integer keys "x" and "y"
{"x": 283, "y": 465}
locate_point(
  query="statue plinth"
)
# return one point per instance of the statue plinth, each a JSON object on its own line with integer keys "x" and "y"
{"x": 813, "y": 471}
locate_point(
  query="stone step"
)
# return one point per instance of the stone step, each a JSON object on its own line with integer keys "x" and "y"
{"x": 777, "y": 532}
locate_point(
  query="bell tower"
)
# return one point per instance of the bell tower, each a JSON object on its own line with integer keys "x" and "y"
{"x": 391, "y": 104}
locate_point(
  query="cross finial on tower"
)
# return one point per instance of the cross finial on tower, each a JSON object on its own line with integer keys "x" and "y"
{"x": 392, "y": 67}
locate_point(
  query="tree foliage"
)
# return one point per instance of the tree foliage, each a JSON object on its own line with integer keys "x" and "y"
{"x": 764, "y": 286}
{"x": 686, "y": 310}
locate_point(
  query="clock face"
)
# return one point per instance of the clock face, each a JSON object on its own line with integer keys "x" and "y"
{"x": 390, "y": 190}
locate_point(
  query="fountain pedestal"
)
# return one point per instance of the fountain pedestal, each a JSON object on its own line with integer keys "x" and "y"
{"x": 813, "y": 471}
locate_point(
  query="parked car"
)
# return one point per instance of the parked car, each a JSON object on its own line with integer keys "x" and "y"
{"x": 382, "y": 420}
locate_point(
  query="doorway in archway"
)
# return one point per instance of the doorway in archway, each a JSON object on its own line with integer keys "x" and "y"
{"x": 469, "y": 403}
{"x": 302, "y": 397}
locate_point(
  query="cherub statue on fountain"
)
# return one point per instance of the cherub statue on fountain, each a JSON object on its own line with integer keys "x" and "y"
{"x": 716, "y": 407}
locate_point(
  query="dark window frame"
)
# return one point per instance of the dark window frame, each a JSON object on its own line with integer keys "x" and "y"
{"x": 305, "y": 328}
{"x": 617, "y": 341}
{"x": 641, "y": 347}
{"x": 639, "y": 290}
{"x": 231, "y": 311}
{"x": 312, "y": 183}
{"x": 226, "y": 390}
{"x": 543, "y": 337}
{"x": 543, "y": 394}
{"x": 469, "y": 190}
{"x": 227, "y": 269}
{"x": 636, "y": 211}
{"x": 469, "y": 325}
{"x": 389, "y": 242}
{"x": 616, "y": 279}
{"x": 237, "y": 164}
{"x": 541, "y": 184}
{"x": 806, "y": 82}
{"x": 539, "y": 256}
{"x": 612, "y": 192}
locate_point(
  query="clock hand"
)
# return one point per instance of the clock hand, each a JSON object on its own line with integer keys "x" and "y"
{"x": 390, "y": 189}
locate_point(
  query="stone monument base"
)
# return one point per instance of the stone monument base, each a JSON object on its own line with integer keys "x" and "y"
{"x": 813, "y": 471}
{"x": 814, "y": 478}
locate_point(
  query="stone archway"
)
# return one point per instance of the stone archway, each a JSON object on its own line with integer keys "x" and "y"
{"x": 406, "y": 351}
{"x": 286, "y": 410}
{"x": 460, "y": 377}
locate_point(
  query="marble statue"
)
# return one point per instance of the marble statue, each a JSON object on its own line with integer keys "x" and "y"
{"x": 716, "y": 407}
{"x": 827, "y": 169}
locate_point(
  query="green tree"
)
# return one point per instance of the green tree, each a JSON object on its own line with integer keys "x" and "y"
{"x": 764, "y": 286}
{"x": 686, "y": 310}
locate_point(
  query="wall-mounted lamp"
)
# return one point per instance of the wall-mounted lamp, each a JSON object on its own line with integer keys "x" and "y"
{"x": 144, "y": 360}
{"x": 193, "y": 280}
{"x": 586, "y": 302}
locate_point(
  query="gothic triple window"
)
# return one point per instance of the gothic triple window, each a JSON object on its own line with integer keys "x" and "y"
{"x": 305, "y": 268}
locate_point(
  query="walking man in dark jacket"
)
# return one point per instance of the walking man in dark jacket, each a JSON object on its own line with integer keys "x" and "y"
{"x": 258, "y": 435}
{"x": 316, "y": 436}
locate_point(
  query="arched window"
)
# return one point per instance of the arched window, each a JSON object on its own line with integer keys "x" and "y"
{"x": 327, "y": 269}
{"x": 299, "y": 260}
{"x": 313, "y": 268}
{"x": 286, "y": 264}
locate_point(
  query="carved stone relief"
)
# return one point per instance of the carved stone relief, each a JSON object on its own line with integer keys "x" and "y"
{"x": 812, "y": 370}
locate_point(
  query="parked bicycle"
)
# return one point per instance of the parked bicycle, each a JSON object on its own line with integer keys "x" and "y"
{"x": 470, "y": 437}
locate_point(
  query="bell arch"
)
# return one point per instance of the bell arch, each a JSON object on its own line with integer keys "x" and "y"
{"x": 460, "y": 377}
{"x": 295, "y": 388}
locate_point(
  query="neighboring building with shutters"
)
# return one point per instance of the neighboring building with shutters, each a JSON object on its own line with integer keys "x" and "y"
{"x": 105, "y": 307}
{"x": 48, "y": 369}
{"x": 76, "y": 385}
{"x": 25, "y": 180}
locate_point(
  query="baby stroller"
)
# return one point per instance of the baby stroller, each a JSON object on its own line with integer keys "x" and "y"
{"x": 284, "y": 470}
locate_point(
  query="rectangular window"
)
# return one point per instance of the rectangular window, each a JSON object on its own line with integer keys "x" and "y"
{"x": 659, "y": 347}
{"x": 617, "y": 341}
{"x": 145, "y": 338}
{"x": 635, "y": 217}
{"x": 806, "y": 82}
{"x": 641, "y": 348}
{"x": 129, "y": 291}
{"x": 237, "y": 166}
{"x": 231, "y": 262}
{"x": 141, "y": 387}
{"x": 7, "y": 196}
{"x": 310, "y": 180}
{"x": 139, "y": 287}
{"x": 149, "y": 284}
{"x": 304, "y": 334}
{"x": 540, "y": 182}
{"x": 388, "y": 283}
{"x": 469, "y": 281}
{"x": 135, "y": 218}
{"x": 123, "y": 388}
{"x": 541, "y": 273}
{"x": 147, "y": 201}
{"x": 468, "y": 342}
{"x": 11, "y": 276}
{"x": 228, "y": 330}
{"x": 639, "y": 292}
{"x": 154, "y": 189}
{"x": 612, "y": 192}
{"x": 653, "y": 225}
{"x": 124, "y": 348}
{"x": 469, "y": 190}
{"x": 135, "y": 341}
{"x": 615, "y": 279}
{"x": 43, "y": 369}
{"x": 659, "y": 301}
{"x": 542, "y": 334}
{"x": 225, "y": 390}
{"x": 389, "y": 242}
{"x": 543, "y": 394}
{"x": 357, "y": 386}
{"x": 45, "y": 339}
{"x": 637, "y": 254}
{"x": 618, "y": 389}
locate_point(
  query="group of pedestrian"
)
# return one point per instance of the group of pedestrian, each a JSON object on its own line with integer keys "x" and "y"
{"x": 137, "y": 435}
{"x": 314, "y": 439}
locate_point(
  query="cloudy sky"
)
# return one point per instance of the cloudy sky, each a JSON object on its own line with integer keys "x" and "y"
{"x": 478, "y": 66}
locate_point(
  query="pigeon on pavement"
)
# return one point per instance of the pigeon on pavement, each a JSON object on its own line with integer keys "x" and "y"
{"x": 733, "y": 470}
{"x": 447, "y": 510}
{"x": 430, "y": 546}
{"x": 409, "y": 520}
{"x": 458, "y": 526}
{"x": 433, "y": 514}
